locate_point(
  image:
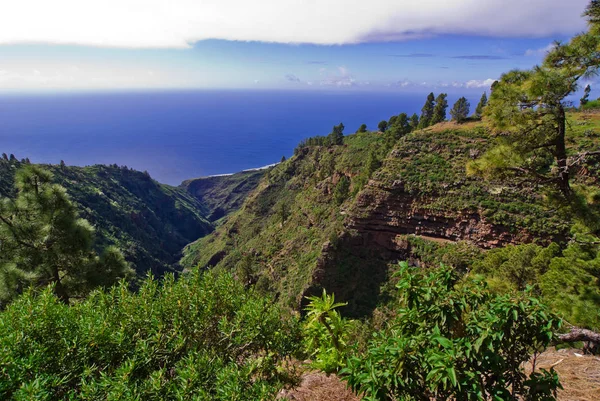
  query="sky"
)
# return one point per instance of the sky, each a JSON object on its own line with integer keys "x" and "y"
{"x": 375, "y": 45}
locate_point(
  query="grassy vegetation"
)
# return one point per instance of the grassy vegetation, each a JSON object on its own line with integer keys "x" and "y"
{"x": 431, "y": 165}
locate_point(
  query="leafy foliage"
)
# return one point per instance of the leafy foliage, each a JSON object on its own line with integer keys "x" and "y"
{"x": 337, "y": 134}
{"x": 202, "y": 337}
{"x": 567, "y": 280}
{"x": 586, "y": 96}
{"x": 452, "y": 340}
{"x": 42, "y": 240}
{"x": 326, "y": 333}
{"x": 342, "y": 189}
{"x": 527, "y": 112}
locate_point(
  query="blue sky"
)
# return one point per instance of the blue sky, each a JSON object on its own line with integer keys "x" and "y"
{"x": 384, "y": 45}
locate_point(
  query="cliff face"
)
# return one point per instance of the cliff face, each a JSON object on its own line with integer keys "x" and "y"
{"x": 300, "y": 231}
{"x": 223, "y": 194}
{"x": 382, "y": 213}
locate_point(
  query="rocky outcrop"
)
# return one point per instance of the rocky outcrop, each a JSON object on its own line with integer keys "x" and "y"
{"x": 382, "y": 216}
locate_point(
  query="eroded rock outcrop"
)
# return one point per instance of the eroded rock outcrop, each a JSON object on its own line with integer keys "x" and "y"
{"x": 382, "y": 215}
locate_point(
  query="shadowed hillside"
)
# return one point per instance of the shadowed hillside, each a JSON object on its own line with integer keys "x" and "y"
{"x": 223, "y": 194}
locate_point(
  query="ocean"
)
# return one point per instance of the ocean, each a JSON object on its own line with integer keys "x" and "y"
{"x": 176, "y": 135}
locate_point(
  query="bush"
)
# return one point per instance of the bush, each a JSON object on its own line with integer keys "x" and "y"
{"x": 455, "y": 341}
{"x": 568, "y": 281}
{"x": 326, "y": 333}
{"x": 342, "y": 190}
{"x": 592, "y": 104}
{"x": 202, "y": 337}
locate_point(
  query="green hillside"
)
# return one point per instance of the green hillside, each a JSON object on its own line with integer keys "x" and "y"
{"x": 300, "y": 231}
{"x": 223, "y": 194}
{"x": 150, "y": 222}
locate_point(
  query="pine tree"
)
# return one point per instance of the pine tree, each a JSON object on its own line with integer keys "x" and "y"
{"x": 43, "y": 241}
{"x": 342, "y": 190}
{"x": 392, "y": 121}
{"x": 372, "y": 164}
{"x": 586, "y": 96}
{"x": 414, "y": 122}
{"x": 481, "y": 105}
{"x": 337, "y": 134}
{"x": 427, "y": 111}
{"x": 382, "y": 126}
{"x": 439, "y": 111}
{"x": 362, "y": 128}
{"x": 402, "y": 126}
{"x": 460, "y": 111}
{"x": 528, "y": 111}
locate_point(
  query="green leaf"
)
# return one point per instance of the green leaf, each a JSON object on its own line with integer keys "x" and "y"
{"x": 452, "y": 375}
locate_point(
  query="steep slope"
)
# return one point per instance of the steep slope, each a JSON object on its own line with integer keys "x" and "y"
{"x": 294, "y": 237}
{"x": 150, "y": 222}
{"x": 223, "y": 194}
{"x": 275, "y": 240}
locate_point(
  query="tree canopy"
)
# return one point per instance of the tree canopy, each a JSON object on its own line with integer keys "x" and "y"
{"x": 427, "y": 111}
{"x": 439, "y": 111}
{"x": 481, "y": 105}
{"x": 43, "y": 241}
{"x": 460, "y": 111}
{"x": 527, "y": 113}
{"x": 337, "y": 134}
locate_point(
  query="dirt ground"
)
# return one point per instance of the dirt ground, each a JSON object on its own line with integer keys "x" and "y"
{"x": 579, "y": 375}
{"x": 317, "y": 386}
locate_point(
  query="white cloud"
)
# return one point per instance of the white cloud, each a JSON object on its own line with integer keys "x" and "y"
{"x": 292, "y": 78}
{"x": 179, "y": 23}
{"x": 471, "y": 84}
{"x": 474, "y": 83}
{"x": 539, "y": 52}
{"x": 341, "y": 79}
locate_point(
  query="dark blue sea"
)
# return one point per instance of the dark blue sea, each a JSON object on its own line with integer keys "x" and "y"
{"x": 181, "y": 135}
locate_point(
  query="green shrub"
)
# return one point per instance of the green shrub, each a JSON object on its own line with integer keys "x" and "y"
{"x": 326, "y": 333}
{"x": 202, "y": 337}
{"x": 342, "y": 190}
{"x": 568, "y": 281}
{"x": 592, "y": 104}
{"x": 452, "y": 340}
